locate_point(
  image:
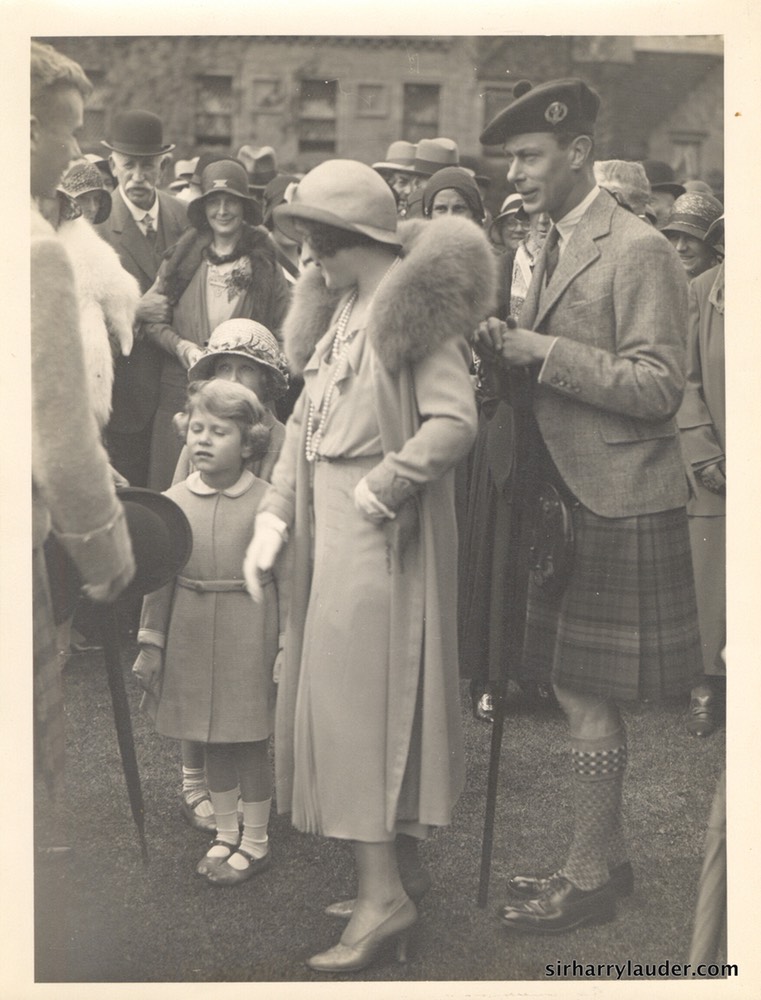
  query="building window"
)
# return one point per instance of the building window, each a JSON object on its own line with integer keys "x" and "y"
{"x": 421, "y": 111}
{"x": 317, "y": 116}
{"x": 687, "y": 156}
{"x": 214, "y": 110}
{"x": 495, "y": 99}
{"x": 94, "y": 124}
{"x": 372, "y": 100}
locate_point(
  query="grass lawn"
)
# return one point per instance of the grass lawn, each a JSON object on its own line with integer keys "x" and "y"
{"x": 101, "y": 916}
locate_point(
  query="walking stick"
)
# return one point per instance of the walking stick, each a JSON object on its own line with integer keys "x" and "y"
{"x": 516, "y": 580}
{"x": 109, "y": 631}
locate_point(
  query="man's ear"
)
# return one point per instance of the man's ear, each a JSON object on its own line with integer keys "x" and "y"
{"x": 34, "y": 130}
{"x": 580, "y": 150}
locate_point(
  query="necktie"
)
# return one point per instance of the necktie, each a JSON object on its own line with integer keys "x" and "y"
{"x": 150, "y": 232}
{"x": 552, "y": 250}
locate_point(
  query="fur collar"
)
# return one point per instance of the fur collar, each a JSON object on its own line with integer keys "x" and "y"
{"x": 182, "y": 260}
{"x": 445, "y": 285}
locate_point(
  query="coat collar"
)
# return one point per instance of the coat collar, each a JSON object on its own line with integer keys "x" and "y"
{"x": 196, "y": 485}
{"x": 581, "y": 251}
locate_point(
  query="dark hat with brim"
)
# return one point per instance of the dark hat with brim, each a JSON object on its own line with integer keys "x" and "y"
{"x": 85, "y": 178}
{"x": 161, "y": 538}
{"x": 137, "y": 133}
{"x": 661, "y": 177}
{"x": 558, "y": 106}
{"x": 224, "y": 176}
{"x": 693, "y": 214}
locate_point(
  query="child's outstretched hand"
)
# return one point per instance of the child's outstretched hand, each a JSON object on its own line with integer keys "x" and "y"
{"x": 270, "y": 535}
{"x": 148, "y": 667}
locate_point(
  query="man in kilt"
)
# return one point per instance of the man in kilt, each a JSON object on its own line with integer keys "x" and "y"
{"x": 602, "y": 337}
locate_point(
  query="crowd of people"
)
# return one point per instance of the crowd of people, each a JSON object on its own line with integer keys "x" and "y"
{"x": 402, "y": 432}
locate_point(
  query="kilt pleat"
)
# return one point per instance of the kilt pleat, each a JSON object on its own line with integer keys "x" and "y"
{"x": 626, "y": 625}
{"x": 49, "y": 737}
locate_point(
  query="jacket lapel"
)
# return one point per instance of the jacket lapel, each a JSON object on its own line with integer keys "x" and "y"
{"x": 578, "y": 255}
{"x": 131, "y": 239}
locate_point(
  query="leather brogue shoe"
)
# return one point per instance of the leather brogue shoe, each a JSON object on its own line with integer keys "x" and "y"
{"x": 702, "y": 717}
{"x": 531, "y": 886}
{"x": 561, "y": 907}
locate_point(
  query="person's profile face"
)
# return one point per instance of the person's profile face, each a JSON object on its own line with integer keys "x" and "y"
{"x": 541, "y": 172}
{"x": 54, "y": 140}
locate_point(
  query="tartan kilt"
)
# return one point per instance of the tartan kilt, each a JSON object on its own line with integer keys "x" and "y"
{"x": 626, "y": 625}
{"x": 49, "y": 737}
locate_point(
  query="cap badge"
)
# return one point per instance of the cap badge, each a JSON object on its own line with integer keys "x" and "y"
{"x": 220, "y": 183}
{"x": 556, "y": 112}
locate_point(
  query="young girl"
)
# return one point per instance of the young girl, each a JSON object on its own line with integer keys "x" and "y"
{"x": 206, "y": 654}
{"x": 239, "y": 350}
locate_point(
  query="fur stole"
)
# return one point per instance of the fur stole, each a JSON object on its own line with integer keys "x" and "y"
{"x": 445, "y": 285}
{"x": 182, "y": 260}
{"x": 107, "y": 297}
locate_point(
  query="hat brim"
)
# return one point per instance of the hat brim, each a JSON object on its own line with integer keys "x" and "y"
{"x": 286, "y": 216}
{"x": 671, "y": 188}
{"x": 252, "y": 212}
{"x": 204, "y": 368}
{"x": 129, "y": 150}
{"x": 687, "y": 229}
{"x": 402, "y": 168}
{"x": 494, "y": 234}
{"x": 162, "y": 539}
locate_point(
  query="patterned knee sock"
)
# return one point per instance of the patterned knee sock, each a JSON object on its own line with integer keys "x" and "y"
{"x": 598, "y": 774}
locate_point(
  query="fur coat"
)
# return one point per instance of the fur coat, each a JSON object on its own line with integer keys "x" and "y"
{"x": 108, "y": 297}
{"x": 418, "y": 326}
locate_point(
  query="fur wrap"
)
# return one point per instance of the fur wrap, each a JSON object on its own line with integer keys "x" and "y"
{"x": 182, "y": 260}
{"x": 108, "y": 297}
{"x": 443, "y": 288}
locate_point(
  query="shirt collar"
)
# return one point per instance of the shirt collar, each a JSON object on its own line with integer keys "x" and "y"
{"x": 138, "y": 214}
{"x": 570, "y": 220}
{"x": 196, "y": 485}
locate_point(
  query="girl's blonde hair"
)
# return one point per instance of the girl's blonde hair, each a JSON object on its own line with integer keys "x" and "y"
{"x": 229, "y": 401}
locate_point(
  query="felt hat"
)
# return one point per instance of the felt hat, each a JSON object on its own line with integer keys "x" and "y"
{"x": 260, "y": 164}
{"x": 661, "y": 177}
{"x": 247, "y": 339}
{"x": 511, "y": 207}
{"x": 82, "y": 178}
{"x": 183, "y": 171}
{"x": 568, "y": 105}
{"x": 224, "y": 175}
{"x": 693, "y": 214}
{"x": 715, "y": 234}
{"x": 275, "y": 193}
{"x": 400, "y": 156}
{"x": 461, "y": 181}
{"x": 346, "y": 194}
{"x": 435, "y": 154}
{"x": 137, "y": 133}
{"x": 698, "y": 187}
{"x": 161, "y": 538}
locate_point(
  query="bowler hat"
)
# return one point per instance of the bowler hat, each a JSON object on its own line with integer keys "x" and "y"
{"x": 247, "y": 339}
{"x": 568, "y": 105}
{"x": 161, "y": 538}
{"x": 693, "y": 214}
{"x": 82, "y": 178}
{"x": 400, "y": 156}
{"x": 346, "y": 194}
{"x": 661, "y": 177}
{"x": 260, "y": 164}
{"x": 137, "y": 133}
{"x": 224, "y": 175}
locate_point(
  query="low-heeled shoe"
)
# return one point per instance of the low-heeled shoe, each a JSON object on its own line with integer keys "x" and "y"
{"x": 561, "y": 907}
{"x": 701, "y": 720}
{"x": 531, "y": 886}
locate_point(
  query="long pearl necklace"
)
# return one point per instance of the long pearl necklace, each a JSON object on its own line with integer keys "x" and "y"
{"x": 339, "y": 352}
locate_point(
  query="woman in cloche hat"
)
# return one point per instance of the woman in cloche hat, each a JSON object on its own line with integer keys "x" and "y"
{"x": 222, "y": 267}
{"x": 687, "y": 228}
{"x": 368, "y": 747}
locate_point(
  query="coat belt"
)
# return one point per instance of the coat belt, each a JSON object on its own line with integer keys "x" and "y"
{"x": 211, "y": 586}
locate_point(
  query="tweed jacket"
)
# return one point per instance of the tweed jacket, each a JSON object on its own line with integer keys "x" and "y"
{"x": 136, "y": 378}
{"x": 612, "y": 383}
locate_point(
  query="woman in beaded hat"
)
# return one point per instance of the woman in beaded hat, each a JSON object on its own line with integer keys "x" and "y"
{"x": 223, "y": 267}
{"x": 689, "y": 222}
{"x": 368, "y": 745}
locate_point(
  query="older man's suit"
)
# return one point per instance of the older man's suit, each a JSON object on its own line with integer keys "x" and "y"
{"x": 611, "y": 385}
{"x": 136, "y": 378}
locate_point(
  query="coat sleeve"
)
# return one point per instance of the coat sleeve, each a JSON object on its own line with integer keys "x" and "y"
{"x": 154, "y": 619}
{"x": 641, "y": 375}
{"x": 69, "y": 465}
{"x": 699, "y": 442}
{"x": 280, "y": 498}
{"x": 448, "y": 422}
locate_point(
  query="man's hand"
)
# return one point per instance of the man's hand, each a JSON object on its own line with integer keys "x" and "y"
{"x": 153, "y": 307}
{"x": 105, "y": 593}
{"x": 521, "y": 347}
{"x": 713, "y": 478}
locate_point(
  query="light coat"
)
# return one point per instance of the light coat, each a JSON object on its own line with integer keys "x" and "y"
{"x": 424, "y": 404}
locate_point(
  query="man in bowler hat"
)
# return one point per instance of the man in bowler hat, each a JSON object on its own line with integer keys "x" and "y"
{"x": 143, "y": 223}
{"x": 602, "y": 338}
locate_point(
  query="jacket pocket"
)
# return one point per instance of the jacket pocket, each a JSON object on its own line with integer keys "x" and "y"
{"x": 626, "y": 430}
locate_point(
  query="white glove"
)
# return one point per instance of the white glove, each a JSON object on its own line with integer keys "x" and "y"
{"x": 149, "y": 666}
{"x": 270, "y": 534}
{"x": 369, "y": 505}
